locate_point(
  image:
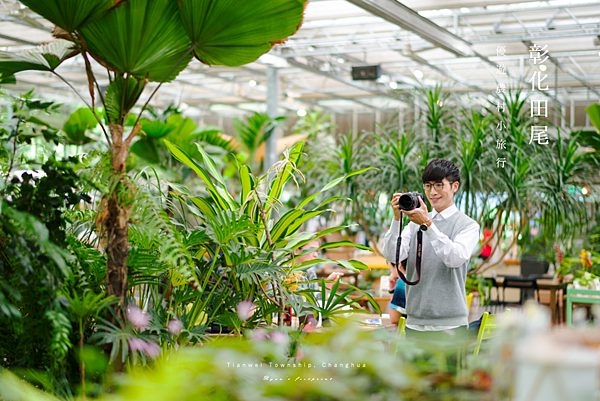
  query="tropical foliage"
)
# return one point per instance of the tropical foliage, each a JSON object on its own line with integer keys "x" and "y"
{"x": 138, "y": 50}
{"x": 538, "y": 188}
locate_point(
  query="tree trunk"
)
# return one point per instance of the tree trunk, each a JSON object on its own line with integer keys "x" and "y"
{"x": 118, "y": 205}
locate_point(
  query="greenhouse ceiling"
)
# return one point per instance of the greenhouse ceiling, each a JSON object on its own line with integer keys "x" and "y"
{"x": 458, "y": 44}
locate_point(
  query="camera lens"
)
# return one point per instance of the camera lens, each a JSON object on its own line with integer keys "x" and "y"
{"x": 406, "y": 202}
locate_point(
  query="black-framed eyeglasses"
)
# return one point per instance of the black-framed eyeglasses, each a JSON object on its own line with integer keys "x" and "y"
{"x": 437, "y": 185}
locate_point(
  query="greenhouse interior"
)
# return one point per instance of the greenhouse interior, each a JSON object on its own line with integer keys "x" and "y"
{"x": 300, "y": 200}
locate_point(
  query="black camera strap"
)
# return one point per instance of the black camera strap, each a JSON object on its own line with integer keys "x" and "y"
{"x": 417, "y": 261}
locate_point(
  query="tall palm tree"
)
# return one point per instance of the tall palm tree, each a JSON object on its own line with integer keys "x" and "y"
{"x": 142, "y": 41}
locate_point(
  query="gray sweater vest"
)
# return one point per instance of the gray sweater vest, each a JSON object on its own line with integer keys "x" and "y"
{"x": 440, "y": 298}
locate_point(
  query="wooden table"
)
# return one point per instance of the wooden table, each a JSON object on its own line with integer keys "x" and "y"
{"x": 549, "y": 284}
{"x": 374, "y": 262}
{"x": 553, "y": 286}
{"x": 363, "y": 317}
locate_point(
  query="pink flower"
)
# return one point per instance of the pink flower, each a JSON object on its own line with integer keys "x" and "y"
{"x": 137, "y": 344}
{"x": 175, "y": 326}
{"x": 148, "y": 348}
{"x": 243, "y": 310}
{"x": 279, "y": 338}
{"x": 152, "y": 350}
{"x": 299, "y": 354}
{"x": 138, "y": 318}
{"x": 260, "y": 334}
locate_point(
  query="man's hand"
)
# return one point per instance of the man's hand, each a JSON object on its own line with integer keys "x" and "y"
{"x": 418, "y": 215}
{"x": 333, "y": 276}
{"x": 396, "y": 207}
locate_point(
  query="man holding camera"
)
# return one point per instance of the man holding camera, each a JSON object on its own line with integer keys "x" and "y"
{"x": 436, "y": 304}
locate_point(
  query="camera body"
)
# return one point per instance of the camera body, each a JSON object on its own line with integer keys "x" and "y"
{"x": 410, "y": 200}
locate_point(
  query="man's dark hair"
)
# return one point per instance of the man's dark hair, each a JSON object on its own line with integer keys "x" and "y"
{"x": 438, "y": 169}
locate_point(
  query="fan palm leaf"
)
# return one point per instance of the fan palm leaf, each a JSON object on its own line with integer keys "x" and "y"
{"x": 71, "y": 15}
{"x": 233, "y": 32}
{"x": 41, "y": 58}
{"x": 143, "y": 38}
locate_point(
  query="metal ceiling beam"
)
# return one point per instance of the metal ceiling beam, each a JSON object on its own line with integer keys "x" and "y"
{"x": 400, "y": 15}
{"x": 444, "y": 72}
{"x": 496, "y": 59}
{"x": 19, "y": 40}
{"x": 393, "y": 75}
{"x": 406, "y": 18}
{"x": 434, "y": 4}
{"x": 316, "y": 71}
{"x": 335, "y": 110}
{"x": 536, "y": 9}
{"x": 566, "y": 69}
{"x": 24, "y": 23}
{"x": 317, "y": 90}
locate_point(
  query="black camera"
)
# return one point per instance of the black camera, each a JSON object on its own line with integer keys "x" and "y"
{"x": 410, "y": 201}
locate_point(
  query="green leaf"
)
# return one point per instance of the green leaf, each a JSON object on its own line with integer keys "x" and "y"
{"x": 307, "y": 216}
{"x": 6, "y": 79}
{"x": 590, "y": 138}
{"x": 41, "y": 58}
{"x": 38, "y": 121}
{"x": 143, "y": 38}
{"x": 234, "y": 32}
{"x": 211, "y": 165}
{"x": 285, "y": 174}
{"x": 310, "y": 263}
{"x": 353, "y": 265}
{"x": 337, "y": 244}
{"x": 156, "y": 129}
{"x": 183, "y": 135}
{"x": 146, "y": 148}
{"x": 121, "y": 97}
{"x": 332, "y": 199}
{"x": 284, "y": 223}
{"x": 246, "y": 180}
{"x": 297, "y": 244}
{"x": 206, "y": 208}
{"x": 214, "y": 138}
{"x": 78, "y": 123}
{"x": 183, "y": 157}
{"x": 332, "y": 184}
{"x": 594, "y": 112}
{"x": 70, "y": 15}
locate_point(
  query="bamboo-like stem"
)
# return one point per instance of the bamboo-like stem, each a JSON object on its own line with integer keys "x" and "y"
{"x": 281, "y": 303}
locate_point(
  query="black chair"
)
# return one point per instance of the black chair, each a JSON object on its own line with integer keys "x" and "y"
{"x": 526, "y": 284}
{"x": 493, "y": 305}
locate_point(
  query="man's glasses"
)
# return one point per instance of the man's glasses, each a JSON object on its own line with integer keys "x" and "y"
{"x": 437, "y": 185}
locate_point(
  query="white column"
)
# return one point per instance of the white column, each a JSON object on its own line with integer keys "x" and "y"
{"x": 572, "y": 117}
{"x": 563, "y": 109}
{"x": 587, "y": 116}
{"x": 271, "y": 154}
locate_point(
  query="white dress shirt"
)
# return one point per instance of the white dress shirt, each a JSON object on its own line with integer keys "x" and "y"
{"x": 452, "y": 253}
